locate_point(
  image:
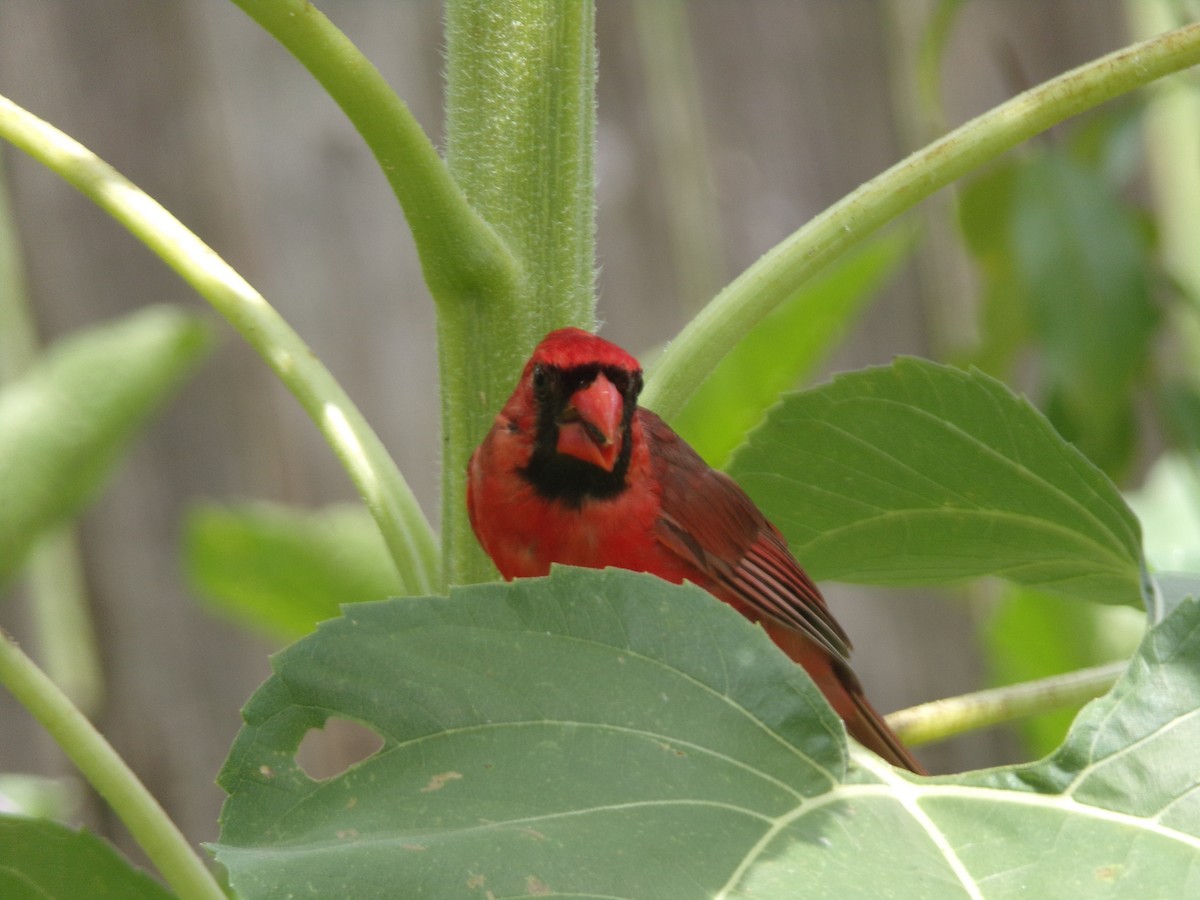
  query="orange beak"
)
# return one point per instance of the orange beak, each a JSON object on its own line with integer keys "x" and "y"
{"x": 590, "y": 427}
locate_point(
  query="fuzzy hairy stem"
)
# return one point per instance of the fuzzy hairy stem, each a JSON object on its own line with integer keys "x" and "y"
{"x": 520, "y": 135}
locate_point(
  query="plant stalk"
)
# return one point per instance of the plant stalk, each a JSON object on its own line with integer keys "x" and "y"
{"x": 520, "y": 134}
{"x": 54, "y": 571}
{"x": 150, "y": 826}
{"x": 942, "y": 719}
{"x": 461, "y": 255}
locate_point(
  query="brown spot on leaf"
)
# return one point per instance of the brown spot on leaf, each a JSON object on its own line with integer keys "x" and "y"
{"x": 437, "y": 782}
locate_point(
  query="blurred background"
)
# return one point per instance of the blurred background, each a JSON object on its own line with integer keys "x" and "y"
{"x": 723, "y": 127}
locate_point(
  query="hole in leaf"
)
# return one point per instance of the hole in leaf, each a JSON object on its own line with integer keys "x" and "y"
{"x": 330, "y": 750}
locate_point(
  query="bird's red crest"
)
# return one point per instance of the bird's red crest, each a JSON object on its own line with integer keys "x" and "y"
{"x": 570, "y": 347}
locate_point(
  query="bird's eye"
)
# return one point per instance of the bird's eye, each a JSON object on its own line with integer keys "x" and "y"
{"x": 629, "y": 383}
{"x": 539, "y": 379}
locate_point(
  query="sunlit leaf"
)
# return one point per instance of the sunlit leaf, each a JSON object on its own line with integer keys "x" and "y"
{"x": 919, "y": 473}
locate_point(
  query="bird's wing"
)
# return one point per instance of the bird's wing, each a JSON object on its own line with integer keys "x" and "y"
{"x": 712, "y": 524}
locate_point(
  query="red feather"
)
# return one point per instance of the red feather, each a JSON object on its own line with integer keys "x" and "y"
{"x": 535, "y": 500}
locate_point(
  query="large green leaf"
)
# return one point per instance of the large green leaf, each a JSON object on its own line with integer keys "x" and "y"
{"x": 280, "y": 569}
{"x": 606, "y": 734}
{"x": 785, "y": 348}
{"x": 573, "y": 731}
{"x": 1114, "y": 812}
{"x": 42, "y": 860}
{"x": 64, "y": 424}
{"x": 918, "y": 473}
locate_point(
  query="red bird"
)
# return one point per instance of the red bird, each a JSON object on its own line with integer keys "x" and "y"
{"x": 574, "y": 472}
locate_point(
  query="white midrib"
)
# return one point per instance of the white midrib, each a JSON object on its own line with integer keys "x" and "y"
{"x": 897, "y": 787}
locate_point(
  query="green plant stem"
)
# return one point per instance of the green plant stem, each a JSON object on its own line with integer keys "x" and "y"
{"x": 505, "y": 226}
{"x": 461, "y": 255}
{"x": 758, "y": 290}
{"x": 520, "y": 133}
{"x": 942, "y": 719}
{"x": 18, "y": 335}
{"x": 54, "y": 572}
{"x": 154, "y": 831}
{"x": 379, "y": 482}
{"x": 65, "y": 631}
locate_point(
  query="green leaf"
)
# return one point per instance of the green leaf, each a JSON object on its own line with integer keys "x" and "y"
{"x": 280, "y": 569}
{"x": 918, "y": 473}
{"x": 578, "y": 731}
{"x": 1113, "y": 812}
{"x": 785, "y": 348}
{"x": 41, "y": 860}
{"x": 606, "y": 734}
{"x": 65, "y": 424}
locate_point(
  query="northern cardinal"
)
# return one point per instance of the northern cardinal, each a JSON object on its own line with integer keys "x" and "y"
{"x": 573, "y": 471}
